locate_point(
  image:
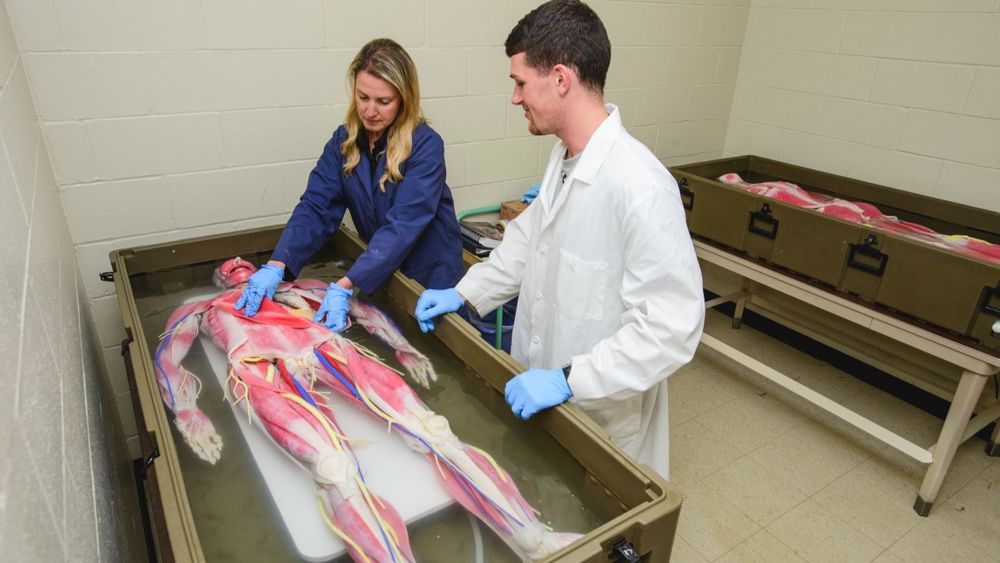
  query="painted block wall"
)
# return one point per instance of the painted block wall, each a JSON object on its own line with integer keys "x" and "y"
{"x": 205, "y": 116}
{"x": 902, "y": 93}
{"x": 57, "y": 472}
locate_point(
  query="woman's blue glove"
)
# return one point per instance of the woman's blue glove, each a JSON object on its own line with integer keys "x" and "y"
{"x": 435, "y": 302}
{"x": 334, "y": 308}
{"x": 263, "y": 283}
{"x": 536, "y": 390}
{"x": 531, "y": 194}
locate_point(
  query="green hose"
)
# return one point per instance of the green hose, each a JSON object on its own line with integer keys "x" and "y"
{"x": 478, "y": 210}
{"x": 498, "y": 343}
{"x": 499, "y": 335}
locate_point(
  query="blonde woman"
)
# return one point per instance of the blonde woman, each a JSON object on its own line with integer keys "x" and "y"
{"x": 386, "y": 165}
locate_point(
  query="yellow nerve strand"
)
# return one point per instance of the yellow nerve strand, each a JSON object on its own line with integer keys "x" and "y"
{"x": 390, "y": 420}
{"x": 239, "y": 383}
{"x": 393, "y": 540}
{"x": 336, "y": 439}
{"x": 367, "y": 401}
{"x": 346, "y": 539}
{"x": 496, "y": 467}
{"x": 372, "y": 355}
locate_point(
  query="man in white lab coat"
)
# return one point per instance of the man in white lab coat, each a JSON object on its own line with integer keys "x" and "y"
{"x": 609, "y": 291}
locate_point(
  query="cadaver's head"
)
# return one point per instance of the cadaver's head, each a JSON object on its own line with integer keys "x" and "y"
{"x": 232, "y": 273}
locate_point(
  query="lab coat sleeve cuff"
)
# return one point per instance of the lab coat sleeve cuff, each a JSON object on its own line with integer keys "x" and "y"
{"x": 583, "y": 382}
{"x": 476, "y": 297}
{"x": 589, "y": 385}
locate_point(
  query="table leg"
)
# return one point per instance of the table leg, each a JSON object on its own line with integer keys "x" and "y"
{"x": 741, "y": 304}
{"x": 993, "y": 447}
{"x": 970, "y": 387}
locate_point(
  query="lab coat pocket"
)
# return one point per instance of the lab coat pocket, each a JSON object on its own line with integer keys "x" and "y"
{"x": 620, "y": 419}
{"x": 582, "y": 287}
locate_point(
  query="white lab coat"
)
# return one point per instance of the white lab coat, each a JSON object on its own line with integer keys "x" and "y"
{"x": 606, "y": 277}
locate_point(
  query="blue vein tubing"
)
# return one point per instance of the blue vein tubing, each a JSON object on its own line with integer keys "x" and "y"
{"x": 343, "y": 380}
{"x": 301, "y": 391}
{"x": 467, "y": 482}
{"x": 340, "y": 377}
{"x": 159, "y": 350}
{"x": 298, "y": 387}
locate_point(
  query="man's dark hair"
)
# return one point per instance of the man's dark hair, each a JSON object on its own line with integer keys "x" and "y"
{"x": 564, "y": 32}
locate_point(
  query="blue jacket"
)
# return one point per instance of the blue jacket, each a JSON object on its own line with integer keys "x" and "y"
{"x": 410, "y": 226}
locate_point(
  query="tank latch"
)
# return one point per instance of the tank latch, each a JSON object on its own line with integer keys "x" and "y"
{"x": 623, "y": 552}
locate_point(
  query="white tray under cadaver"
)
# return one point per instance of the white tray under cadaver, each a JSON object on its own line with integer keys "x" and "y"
{"x": 392, "y": 470}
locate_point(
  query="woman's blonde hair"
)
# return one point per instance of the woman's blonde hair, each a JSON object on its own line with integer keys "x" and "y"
{"x": 387, "y": 60}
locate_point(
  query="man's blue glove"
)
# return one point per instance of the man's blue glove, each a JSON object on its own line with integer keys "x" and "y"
{"x": 435, "y": 302}
{"x": 536, "y": 390}
{"x": 263, "y": 283}
{"x": 531, "y": 194}
{"x": 334, "y": 308}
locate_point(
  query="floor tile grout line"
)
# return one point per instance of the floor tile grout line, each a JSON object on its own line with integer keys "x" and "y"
{"x": 871, "y": 451}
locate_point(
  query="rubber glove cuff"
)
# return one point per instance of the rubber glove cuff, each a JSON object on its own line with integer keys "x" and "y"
{"x": 435, "y": 302}
{"x": 536, "y": 390}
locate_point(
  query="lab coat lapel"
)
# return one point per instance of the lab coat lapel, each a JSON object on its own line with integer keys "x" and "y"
{"x": 560, "y": 198}
{"x": 551, "y": 176}
{"x": 586, "y": 169}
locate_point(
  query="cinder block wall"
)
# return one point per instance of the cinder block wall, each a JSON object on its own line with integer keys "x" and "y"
{"x": 902, "y": 93}
{"x": 167, "y": 120}
{"x": 57, "y": 471}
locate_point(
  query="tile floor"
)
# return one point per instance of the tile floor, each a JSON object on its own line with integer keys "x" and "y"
{"x": 767, "y": 477}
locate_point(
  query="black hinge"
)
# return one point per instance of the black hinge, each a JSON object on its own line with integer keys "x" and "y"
{"x": 125, "y": 345}
{"x": 149, "y": 459}
{"x": 107, "y": 276}
{"x": 140, "y": 467}
{"x": 687, "y": 196}
{"x": 623, "y": 552}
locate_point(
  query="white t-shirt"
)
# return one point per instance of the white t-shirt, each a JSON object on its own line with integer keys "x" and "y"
{"x": 568, "y": 164}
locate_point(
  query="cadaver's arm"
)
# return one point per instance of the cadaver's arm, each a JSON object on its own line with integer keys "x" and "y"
{"x": 179, "y": 388}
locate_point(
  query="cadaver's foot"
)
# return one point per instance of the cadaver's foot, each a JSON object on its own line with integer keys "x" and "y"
{"x": 538, "y": 542}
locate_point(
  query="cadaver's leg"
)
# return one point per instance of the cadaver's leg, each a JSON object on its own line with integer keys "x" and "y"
{"x": 469, "y": 475}
{"x": 370, "y": 527}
